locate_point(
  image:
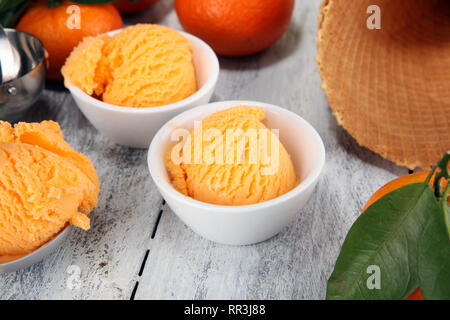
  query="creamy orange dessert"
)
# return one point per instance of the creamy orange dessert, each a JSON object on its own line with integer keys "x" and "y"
{"x": 231, "y": 158}
{"x": 144, "y": 65}
{"x": 44, "y": 186}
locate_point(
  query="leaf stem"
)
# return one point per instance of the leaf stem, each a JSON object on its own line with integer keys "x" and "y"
{"x": 442, "y": 173}
{"x": 433, "y": 170}
{"x": 444, "y": 208}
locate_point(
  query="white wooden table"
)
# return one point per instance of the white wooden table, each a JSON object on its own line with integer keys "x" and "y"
{"x": 131, "y": 217}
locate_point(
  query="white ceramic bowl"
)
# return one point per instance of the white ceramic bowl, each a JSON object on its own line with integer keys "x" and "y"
{"x": 37, "y": 255}
{"x": 242, "y": 225}
{"x": 135, "y": 127}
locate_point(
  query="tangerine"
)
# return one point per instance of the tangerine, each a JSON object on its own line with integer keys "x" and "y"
{"x": 391, "y": 186}
{"x": 62, "y": 27}
{"x": 236, "y": 27}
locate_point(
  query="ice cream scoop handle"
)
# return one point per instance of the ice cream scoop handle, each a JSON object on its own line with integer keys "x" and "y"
{"x": 7, "y": 60}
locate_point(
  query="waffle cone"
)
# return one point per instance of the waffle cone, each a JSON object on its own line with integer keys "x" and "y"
{"x": 389, "y": 88}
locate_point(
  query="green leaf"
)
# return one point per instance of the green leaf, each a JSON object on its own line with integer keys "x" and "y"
{"x": 385, "y": 236}
{"x": 8, "y": 4}
{"x": 443, "y": 173}
{"x": 10, "y": 11}
{"x": 434, "y": 259}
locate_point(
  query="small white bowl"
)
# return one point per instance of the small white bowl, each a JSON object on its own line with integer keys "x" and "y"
{"x": 37, "y": 255}
{"x": 135, "y": 127}
{"x": 242, "y": 225}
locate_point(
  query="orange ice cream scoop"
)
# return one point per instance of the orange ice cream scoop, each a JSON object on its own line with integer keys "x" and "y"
{"x": 231, "y": 158}
{"x": 44, "y": 185}
{"x": 144, "y": 65}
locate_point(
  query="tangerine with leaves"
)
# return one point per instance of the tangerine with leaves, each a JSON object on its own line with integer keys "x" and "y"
{"x": 236, "y": 27}
{"x": 55, "y": 24}
{"x": 393, "y": 185}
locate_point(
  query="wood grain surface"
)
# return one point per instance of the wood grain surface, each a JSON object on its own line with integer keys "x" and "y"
{"x": 295, "y": 264}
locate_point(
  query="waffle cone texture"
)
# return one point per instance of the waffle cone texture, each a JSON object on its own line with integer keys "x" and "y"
{"x": 389, "y": 88}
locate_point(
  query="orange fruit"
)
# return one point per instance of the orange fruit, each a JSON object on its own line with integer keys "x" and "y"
{"x": 58, "y": 30}
{"x": 416, "y": 295}
{"x": 401, "y": 182}
{"x": 395, "y": 184}
{"x": 391, "y": 186}
{"x": 127, "y": 6}
{"x": 236, "y": 27}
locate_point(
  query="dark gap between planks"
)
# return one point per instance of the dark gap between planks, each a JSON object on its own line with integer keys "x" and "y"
{"x": 144, "y": 261}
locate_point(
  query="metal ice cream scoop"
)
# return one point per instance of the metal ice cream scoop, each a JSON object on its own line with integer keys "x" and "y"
{"x": 22, "y": 64}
